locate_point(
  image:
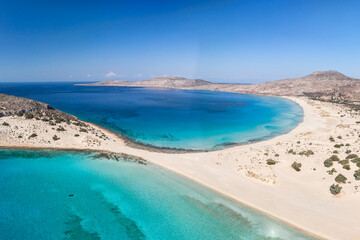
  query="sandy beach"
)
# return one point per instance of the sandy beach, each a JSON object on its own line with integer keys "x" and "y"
{"x": 299, "y": 198}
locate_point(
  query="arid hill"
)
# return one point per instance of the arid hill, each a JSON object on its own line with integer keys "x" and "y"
{"x": 10, "y": 105}
{"x": 327, "y": 85}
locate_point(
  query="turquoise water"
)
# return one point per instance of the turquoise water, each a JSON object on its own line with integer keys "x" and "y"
{"x": 71, "y": 195}
{"x": 198, "y": 120}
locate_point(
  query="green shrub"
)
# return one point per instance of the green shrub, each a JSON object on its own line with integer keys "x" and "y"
{"x": 332, "y": 171}
{"x": 60, "y": 129}
{"x": 357, "y": 174}
{"x": 339, "y": 137}
{"x": 33, "y": 135}
{"x": 328, "y": 163}
{"x": 336, "y": 151}
{"x": 270, "y": 161}
{"x": 346, "y": 166}
{"x": 296, "y": 166}
{"x": 58, "y": 119}
{"x": 347, "y": 145}
{"x": 83, "y": 130}
{"x": 76, "y": 135}
{"x": 351, "y": 156}
{"x": 55, "y": 138}
{"x": 358, "y": 164}
{"x": 29, "y": 115}
{"x": 335, "y": 189}
{"x": 20, "y": 114}
{"x": 266, "y": 154}
{"x": 277, "y": 155}
{"x": 306, "y": 153}
{"x": 335, "y": 158}
{"x": 44, "y": 119}
{"x": 340, "y": 178}
{"x": 332, "y": 139}
{"x": 338, "y": 145}
{"x": 291, "y": 151}
{"x": 5, "y": 124}
{"x": 298, "y": 142}
{"x": 343, "y": 162}
{"x": 355, "y": 160}
{"x": 348, "y": 151}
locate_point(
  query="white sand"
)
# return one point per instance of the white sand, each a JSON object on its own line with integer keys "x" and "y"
{"x": 301, "y": 199}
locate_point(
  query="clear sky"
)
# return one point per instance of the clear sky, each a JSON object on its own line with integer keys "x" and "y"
{"x": 222, "y": 41}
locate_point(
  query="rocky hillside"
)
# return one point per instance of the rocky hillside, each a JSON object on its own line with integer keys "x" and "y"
{"x": 11, "y": 105}
{"x": 326, "y": 85}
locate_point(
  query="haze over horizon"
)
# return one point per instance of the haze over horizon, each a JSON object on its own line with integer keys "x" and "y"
{"x": 220, "y": 41}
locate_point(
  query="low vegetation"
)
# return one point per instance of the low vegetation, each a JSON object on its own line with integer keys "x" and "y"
{"x": 296, "y": 166}
{"x": 270, "y": 161}
{"x": 332, "y": 171}
{"x": 346, "y": 166}
{"x": 328, "y": 162}
{"x": 343, "y": 162}
{"x": 306, "y": 153}
{"x": 357, "y": 174}
{"x": 340, "y": 178}
{"x": 335, "y": 189}
{"x": 34, "y": 135}
{"x": 335, "y": 158}
{"x": 29, "y": 115}
{"x": 352, "y": 156}
{"x": 60, "y": 129}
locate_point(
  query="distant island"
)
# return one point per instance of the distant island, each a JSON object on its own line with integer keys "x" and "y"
{"x": 322, "y": 85}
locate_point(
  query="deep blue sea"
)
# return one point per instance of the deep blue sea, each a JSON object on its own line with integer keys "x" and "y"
{"x": 198, "y": 120}
{"x": 70, "y": 195}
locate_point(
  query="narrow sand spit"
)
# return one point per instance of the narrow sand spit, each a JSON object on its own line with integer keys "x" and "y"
{"x": 299, "y": 198}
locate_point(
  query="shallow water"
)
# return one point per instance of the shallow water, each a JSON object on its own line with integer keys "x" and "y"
{"x": 198, "y": 120}
{"x": 71, "y": 195}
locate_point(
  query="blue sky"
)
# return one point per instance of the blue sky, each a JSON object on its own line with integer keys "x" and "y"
{"x": 223, "y": 41}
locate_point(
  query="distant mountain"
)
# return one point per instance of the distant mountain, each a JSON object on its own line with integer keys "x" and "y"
{"x": 328, "y": 85}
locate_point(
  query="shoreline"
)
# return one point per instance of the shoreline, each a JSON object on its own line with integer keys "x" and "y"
{"x": 207, "y": 169}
